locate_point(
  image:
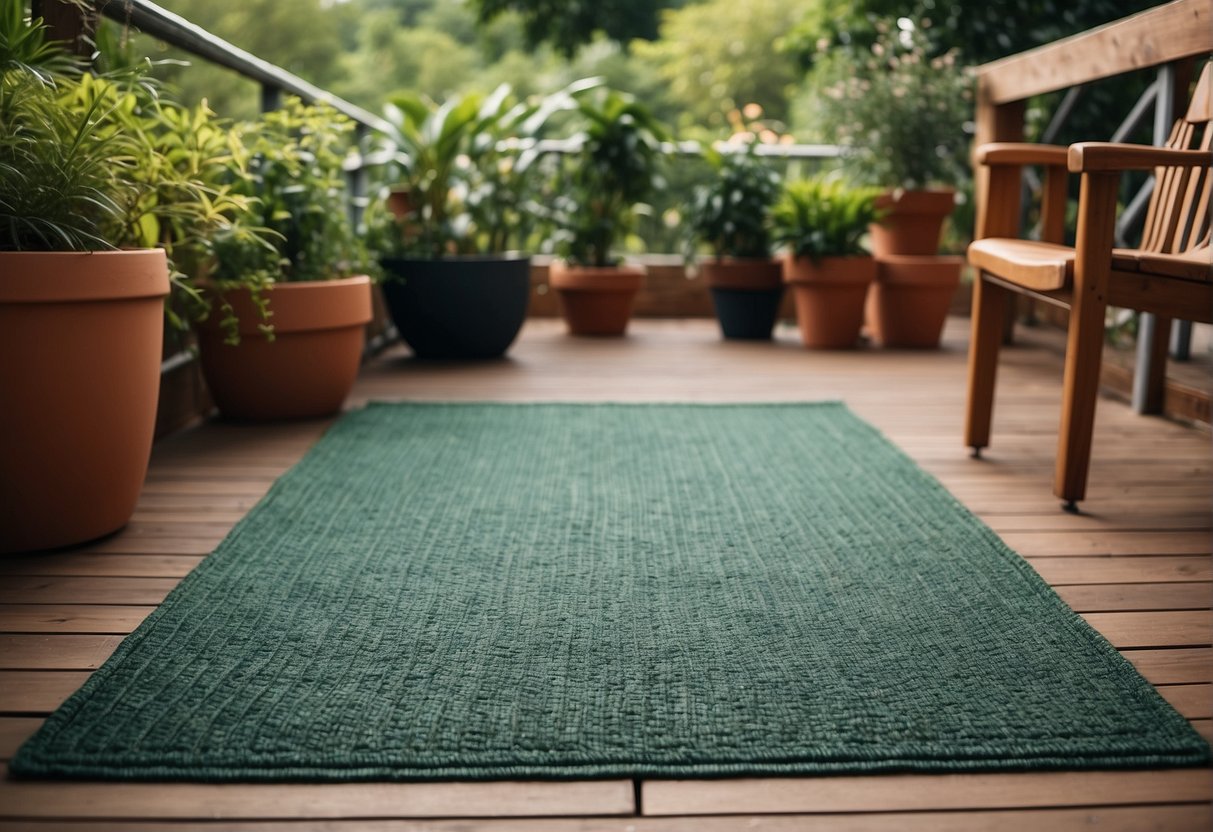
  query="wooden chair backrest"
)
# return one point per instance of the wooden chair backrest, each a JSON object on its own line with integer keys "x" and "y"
{"x": 1177, "y": 221}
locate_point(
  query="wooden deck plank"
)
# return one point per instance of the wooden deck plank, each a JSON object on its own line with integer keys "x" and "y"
{"x": 87, "y": 619}
{"x": 1173, "y": 666}
{"x": 1193, "y": 701}
{"x": 1123, "y": 569}
{"x": 907, "y": 792}
{"x": 94, "y": 590}
{"x": 15, "y": 730}
{"x": 87, "y": 564}
{"x": 36, "y": 691}
{"x": 1055, "y": 544}
{"x": 1144, "y": 597}
{"x": 55, "y": 652}
{"x": 1154, "y": 629}
{"x": 232, "y": 801}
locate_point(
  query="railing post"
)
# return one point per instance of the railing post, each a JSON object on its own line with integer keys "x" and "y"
{"x": 356, "y": 178}
{"x": 1150, "y": 370}
{"x": 994, "y": 123}
{"x": 67, "y": 22}
{"x": 271, "y": 97}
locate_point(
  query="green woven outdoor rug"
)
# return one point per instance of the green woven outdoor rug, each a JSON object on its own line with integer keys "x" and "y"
{"x": 561, "y": 591}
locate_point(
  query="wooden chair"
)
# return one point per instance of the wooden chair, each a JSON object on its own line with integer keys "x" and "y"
{"x": 1169, "y": 275}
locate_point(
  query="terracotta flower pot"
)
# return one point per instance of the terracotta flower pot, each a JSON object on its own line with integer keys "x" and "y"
{"x": 309, "y": 367}
{"x": 596, "y": 301}
{"x": 909, "y": 301}
{"x": 80, "y": 343}
{"x": 912, "y": 222}
{"x": 746, "y": 293}
{"x": 829, "y": 295}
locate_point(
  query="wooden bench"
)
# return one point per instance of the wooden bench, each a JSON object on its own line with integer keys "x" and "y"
{"x": 1168, "y": 275}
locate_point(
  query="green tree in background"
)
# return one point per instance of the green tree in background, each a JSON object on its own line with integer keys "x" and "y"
{"x": 981, "y": 31}
{"x": 306, "y": 37}
{"x": 570, "y": 24}
{"x": 718, "y": 55}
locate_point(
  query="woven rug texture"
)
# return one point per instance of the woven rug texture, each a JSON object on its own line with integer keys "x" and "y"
{"x": 572, "y": 591}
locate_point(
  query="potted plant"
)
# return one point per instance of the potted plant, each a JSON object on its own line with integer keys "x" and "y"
{"x": 729, "y": 215}
{"x": 822, "y": 222}
{"x": 613, "y": 168}
{"x": 96, "y": 194}
{"x": 287, "y": 286}
{"x": 901, "y": 111}
{"x": 454, "y": 286}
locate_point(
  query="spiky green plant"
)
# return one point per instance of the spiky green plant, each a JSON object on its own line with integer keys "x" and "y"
{"x": 467, "y": 166}
{"x": 824, "y": 217}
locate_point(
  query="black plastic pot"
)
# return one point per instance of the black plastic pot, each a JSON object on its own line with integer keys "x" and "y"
{"x": 458, "y": 307}
{"x": 747, "y": 314}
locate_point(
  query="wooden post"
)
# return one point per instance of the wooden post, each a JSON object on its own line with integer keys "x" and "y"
{"x": 995, "y": 123}
{"x": 67, "y": 22}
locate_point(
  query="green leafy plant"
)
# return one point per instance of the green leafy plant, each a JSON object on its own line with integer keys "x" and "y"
{"x": 289, "y": 165}
{"x": 900, "y": 110}
{"x": 105, "y": 162}
{"x": 288, "y": 168}
{"x": 824, "y": 217}
{"x": 614, "y": 168}
{"x": 467, "y": 168}
{"x": 730, "y": 213}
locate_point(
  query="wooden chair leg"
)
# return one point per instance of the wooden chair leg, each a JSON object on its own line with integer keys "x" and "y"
{"x": 990, "y": 303}
{"x": 1080, "y": 390}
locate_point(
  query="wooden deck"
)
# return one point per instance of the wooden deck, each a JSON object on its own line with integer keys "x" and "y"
{"x": 1137, "y": 566}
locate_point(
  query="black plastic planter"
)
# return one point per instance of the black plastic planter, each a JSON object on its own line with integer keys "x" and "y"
{"x": 747, "y": 314}
{"x": 458, "y": 307}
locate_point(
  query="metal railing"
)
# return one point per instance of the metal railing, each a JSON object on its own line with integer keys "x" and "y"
{"x": 174, "y": 30}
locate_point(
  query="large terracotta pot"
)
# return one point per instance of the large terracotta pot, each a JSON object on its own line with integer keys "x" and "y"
{"x": 458, "y": 307}
{"x": 80, "y": 343}
{"x": 829, "y": 295}
{"x": 909, "y": 301}
{"x": 912, "y": 222}
{"x": 746, "y": 293}
{"x": 596, "y": 301}
{"x": 308, "y": 368}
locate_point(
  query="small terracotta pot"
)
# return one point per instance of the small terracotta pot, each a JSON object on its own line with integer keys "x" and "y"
{"x": 400, "y": 202}
{"x": 596, "y": 301}
{"x": 912, "y": 223}
{"x": 307, "y": 370}
{"x": 909, "y": 301}
{"x": 80, "y": 343}
{"x": 746, "y": 294}
{"x": 829, "y": 295}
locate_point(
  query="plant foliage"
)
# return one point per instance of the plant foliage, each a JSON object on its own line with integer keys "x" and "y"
{"x": 615, "y": 167}
{"x": 289, "y": 165}
{"x": 824, "y": 217}
{"x": 902, "y": 115}
{"x": 93, "y": 162}
{"x": 730, "y": 214}
{"x": 468, "y": 168}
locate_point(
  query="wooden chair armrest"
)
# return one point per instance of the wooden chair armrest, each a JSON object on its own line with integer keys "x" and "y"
{"x": 1005, "y": 161}
{"x": 1089, "y": 157}
{"x": 1021, "y": 153}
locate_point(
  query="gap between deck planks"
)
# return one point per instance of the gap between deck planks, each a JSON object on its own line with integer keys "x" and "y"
{"x": 1136, "y": 565}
